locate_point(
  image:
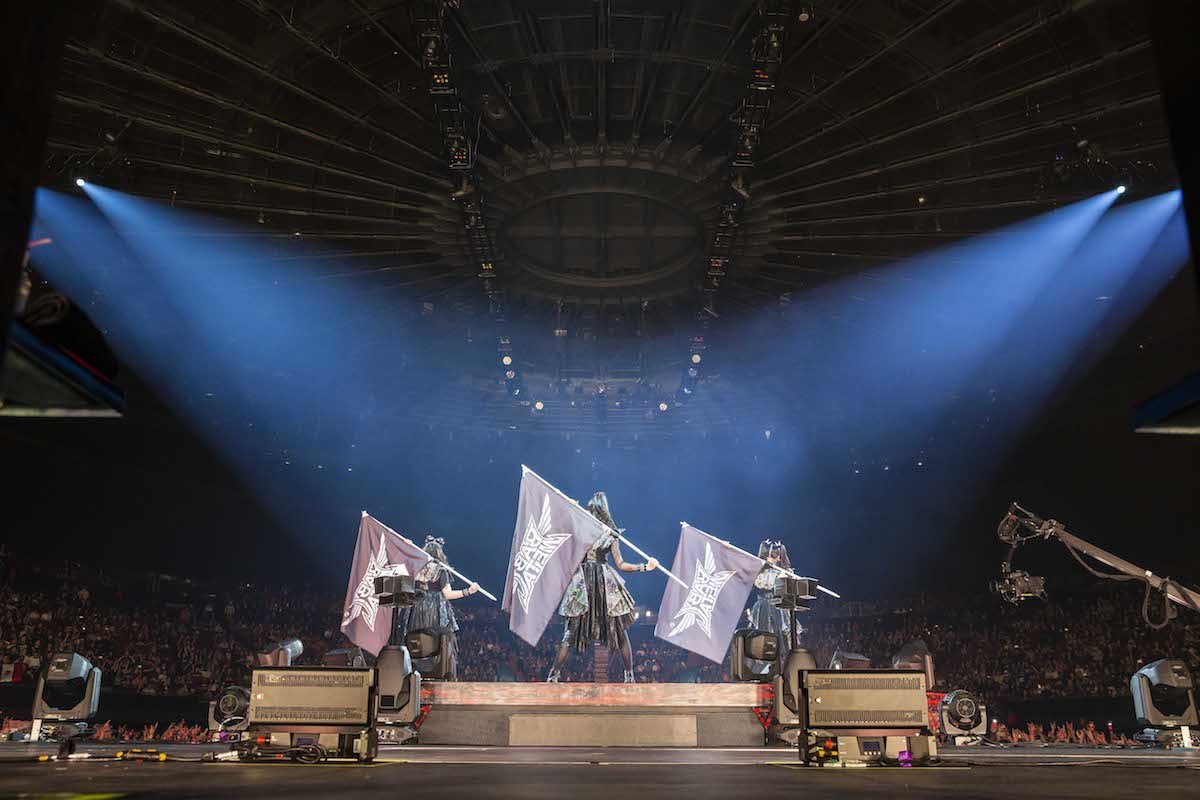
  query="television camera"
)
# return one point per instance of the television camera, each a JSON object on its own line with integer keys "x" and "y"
{"x": 1020, "y": 525}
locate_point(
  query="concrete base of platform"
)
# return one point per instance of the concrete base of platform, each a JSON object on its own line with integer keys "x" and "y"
{"x": 594, "y": 715}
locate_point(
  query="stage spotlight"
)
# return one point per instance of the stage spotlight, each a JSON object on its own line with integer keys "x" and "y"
{"x": 663, "y": 406}
{"x": 280, "y": 654}
{"x": 510, "y": 374}
{"x": 539, "y": 405}
{"x": 1121, "y": 189}
{"x": 805, "y": 15}
{"x": 80, "y": 182}
{"x": 692, "y": 372}
{"x": 506, "y": 361}
{"x": 695, "y": 358}
{"x": 68, "y": 691}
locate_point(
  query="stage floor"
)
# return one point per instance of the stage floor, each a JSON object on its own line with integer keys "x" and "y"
{"x": 617, "y": 774}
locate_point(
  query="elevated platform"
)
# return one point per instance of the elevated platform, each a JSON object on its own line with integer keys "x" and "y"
{"x": 594, "y": 714}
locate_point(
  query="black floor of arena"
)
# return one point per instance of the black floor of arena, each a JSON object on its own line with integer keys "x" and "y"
{"x": 614, "y": 774}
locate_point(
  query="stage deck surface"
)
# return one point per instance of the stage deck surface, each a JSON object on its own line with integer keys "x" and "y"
{"x": 607, "y": 695}
{"x": 615, "y": 774}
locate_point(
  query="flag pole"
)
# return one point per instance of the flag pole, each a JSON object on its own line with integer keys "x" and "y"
{"x": 442, "y": 564}
{"x": 458, "y": 574}
{"x": 527, "y": 471}
{"x": 643, "y": 554}
{"x": 787, "y": 572}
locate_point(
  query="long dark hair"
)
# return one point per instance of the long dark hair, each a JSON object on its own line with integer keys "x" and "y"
{"x": 598, "y": 505}
{"x": 770, "y": 547}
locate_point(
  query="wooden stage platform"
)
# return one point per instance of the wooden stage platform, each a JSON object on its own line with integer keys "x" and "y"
{"x": 594, "y": 714}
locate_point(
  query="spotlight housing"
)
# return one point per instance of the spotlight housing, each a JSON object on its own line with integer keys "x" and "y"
{"x": 1121, "y": 189}
{"x": 539, "y": 405}
{"x": 80, "y": 182}
{"x": 506, "y": 361}
{"x": 695, "y": 358}
{"x": 663, "y": 406}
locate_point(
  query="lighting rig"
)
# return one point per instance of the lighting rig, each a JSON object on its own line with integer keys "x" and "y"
{"x": 460, "y": 140}
{"x": 766, "y": 61}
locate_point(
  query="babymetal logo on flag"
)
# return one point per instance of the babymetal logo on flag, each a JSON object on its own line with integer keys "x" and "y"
{"x": 702, "y": 597}
{"x": 538, "y": 546}
{"x": 365, "y": 604}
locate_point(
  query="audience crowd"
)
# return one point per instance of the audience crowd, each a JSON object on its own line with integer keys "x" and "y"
{"x": 168, "y": 636}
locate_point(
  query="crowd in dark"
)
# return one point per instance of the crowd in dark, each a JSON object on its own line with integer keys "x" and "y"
{"x": 170, "y": 636}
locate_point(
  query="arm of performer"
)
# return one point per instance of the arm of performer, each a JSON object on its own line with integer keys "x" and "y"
{"x": 459, "y": 594}
{"x": 625, "y": 566}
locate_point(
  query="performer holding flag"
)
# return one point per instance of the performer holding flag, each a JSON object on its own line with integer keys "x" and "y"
{"x": 379, "y": 551}
{"x": 702, "y": 616}
{"x": 765, "y": 616}
{"x": 432, "y": 610}
{"x": 596, "y": 606}
{"x": 559, "y": 563}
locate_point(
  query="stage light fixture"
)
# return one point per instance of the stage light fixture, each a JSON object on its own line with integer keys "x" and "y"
{"x": 1121, "y": 189}
{"x": 805, "y": 15}
{"x": 280, "y": 654}
{"x": 539, "y": 405}
{"x": 506, "y": 361}
{"x": 692, "y": 372}
{"x": 80, "y": 182}
{"x": 663, "y": 406}
{"x": 510, "y": 374}
{"x": 695, "y": 358}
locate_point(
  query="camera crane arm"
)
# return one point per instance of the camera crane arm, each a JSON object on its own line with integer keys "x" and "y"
{"x": 1020, "y": 525}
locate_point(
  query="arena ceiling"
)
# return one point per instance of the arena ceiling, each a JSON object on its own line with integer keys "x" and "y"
{"x": 602, "y": 142}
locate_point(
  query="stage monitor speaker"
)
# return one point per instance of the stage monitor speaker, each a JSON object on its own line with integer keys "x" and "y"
{"x": 68, "y": 690}
{"x": 1164, "y": 695}
{"x": 875, "y": 699}
{"x": 293, "y": 697}
{"x": 754, "y": 645}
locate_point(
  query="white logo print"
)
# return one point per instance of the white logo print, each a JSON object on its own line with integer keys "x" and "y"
{"x": 538, "y": 546}
{"x": 365, "y": 603}
{"x": 701, "y": 599}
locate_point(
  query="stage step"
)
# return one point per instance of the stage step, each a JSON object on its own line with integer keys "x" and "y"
{"x": 594, "y": 714}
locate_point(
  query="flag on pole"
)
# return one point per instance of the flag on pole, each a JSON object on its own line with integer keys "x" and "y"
{"x": 379, "y": 551}
{"x": 703, "y": 617}
{"x": 552, "y": 535}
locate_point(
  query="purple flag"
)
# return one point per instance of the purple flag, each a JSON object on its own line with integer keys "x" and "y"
{"x": 380, "y": 551}
{"x": 703, "y": 617}
{"x": 552, "y": 535}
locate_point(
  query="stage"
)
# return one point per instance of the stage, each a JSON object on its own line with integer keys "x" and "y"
{"x": 594, "y": 714}
{"x": 614, "y": 773}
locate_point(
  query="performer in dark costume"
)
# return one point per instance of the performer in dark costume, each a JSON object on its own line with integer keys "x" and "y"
{"x": 432, "y": 610}
{"x": 596, "y": 606}
{"x": 762, "y": 615}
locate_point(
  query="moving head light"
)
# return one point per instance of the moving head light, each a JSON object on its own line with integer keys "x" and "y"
{"x": 280, "y": 654}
